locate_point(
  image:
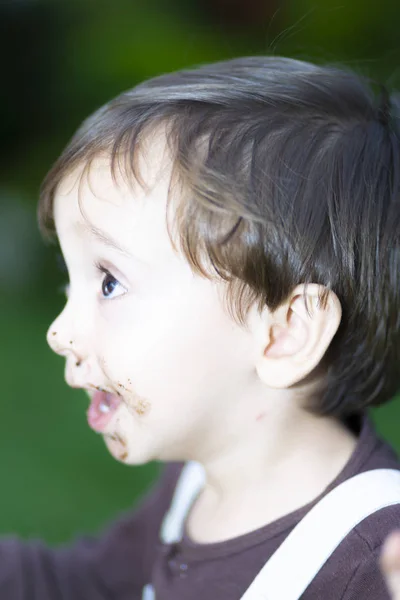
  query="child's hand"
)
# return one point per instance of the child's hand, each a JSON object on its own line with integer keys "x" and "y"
{"x": 390, "y": 563}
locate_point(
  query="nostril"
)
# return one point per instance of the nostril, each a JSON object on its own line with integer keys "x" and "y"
{"x": 75, "y": 377}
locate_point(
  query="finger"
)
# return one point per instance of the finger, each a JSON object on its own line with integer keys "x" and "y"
{"x": 390, "y": 564}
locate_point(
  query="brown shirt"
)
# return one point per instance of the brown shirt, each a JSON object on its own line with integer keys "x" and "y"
{"x": 129, "y": 554}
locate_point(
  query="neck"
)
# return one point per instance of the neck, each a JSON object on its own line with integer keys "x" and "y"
{"x": 274, "y": 467}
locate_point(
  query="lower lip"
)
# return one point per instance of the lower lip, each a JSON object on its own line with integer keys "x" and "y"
{"x": 97, "y": 419}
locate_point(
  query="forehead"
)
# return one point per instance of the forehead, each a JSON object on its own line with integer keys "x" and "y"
{"x": 90, "y": 198}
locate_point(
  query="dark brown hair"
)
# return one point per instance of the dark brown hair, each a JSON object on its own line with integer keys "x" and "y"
{"x": 290, "y": 175}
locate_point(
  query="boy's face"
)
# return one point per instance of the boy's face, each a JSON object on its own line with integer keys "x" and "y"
{"x": 145, "y": 328}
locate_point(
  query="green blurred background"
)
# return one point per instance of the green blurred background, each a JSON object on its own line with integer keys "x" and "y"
{"x": 60, "y": 60}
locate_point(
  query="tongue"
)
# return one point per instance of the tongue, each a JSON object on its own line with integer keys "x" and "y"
{"x": 101, "y": 409}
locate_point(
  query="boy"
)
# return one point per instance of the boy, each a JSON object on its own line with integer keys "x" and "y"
{"x": 231, "y": 235}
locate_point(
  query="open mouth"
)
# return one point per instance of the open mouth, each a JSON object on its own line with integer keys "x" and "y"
{"x": 102, "y": 407}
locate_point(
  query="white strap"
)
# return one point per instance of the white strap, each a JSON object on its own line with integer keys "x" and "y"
{"x": 148, "y": 592}
{"x": 191, "y": 480}
{"x": 299, "y": 558}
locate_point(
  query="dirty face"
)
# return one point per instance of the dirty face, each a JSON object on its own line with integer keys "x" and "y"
{"x": 163, "y": 363}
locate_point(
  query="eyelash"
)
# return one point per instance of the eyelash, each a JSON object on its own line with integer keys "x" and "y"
{"x": 63, "y": 289}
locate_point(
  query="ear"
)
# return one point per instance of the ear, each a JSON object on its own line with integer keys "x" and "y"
{"x": 298, "y": 334}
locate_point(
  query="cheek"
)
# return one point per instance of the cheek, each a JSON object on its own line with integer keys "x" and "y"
{"x": 174, "y": 351}
{"x": 177, "y": 369}
{"x": 180, "y": 373}
{"x": 160, "y": 356}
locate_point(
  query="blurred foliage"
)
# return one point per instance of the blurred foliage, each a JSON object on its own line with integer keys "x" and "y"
{"x": 60, "y": 61}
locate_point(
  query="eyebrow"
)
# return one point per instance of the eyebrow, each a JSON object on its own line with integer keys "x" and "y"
{"x": 103, "y": 238}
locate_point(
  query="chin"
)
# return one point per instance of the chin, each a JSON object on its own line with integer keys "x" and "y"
{"x": 125, "y": 453}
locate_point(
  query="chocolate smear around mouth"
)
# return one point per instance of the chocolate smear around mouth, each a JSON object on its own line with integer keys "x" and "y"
{"x": 141, "y": 406}
{"x": 121, "y": 440}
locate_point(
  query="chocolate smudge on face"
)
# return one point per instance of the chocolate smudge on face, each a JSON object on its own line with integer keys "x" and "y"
{"x": 100, "y": 389}
{"x": 102, "y": 362}
{"x": 138, "y": 405}
{"x": 141, "y": 406}
{"x": 120, "y": 440}
{"x": 123, "y": 456}
{"x": 54, "y": 333}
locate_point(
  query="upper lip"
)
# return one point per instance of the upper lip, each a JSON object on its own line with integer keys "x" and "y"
{"x": 91, "y": 389}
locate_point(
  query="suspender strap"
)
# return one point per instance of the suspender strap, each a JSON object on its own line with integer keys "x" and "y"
{"x": 299, "y": 558}
{"x": 191, "y": 480}
{"x": 148, "y": 592}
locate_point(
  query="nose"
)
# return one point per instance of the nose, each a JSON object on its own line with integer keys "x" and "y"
{"x": 65, "y": 337}
{"x": 60, "y": 335}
